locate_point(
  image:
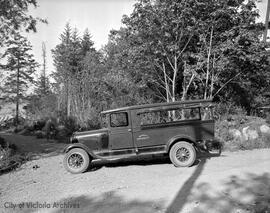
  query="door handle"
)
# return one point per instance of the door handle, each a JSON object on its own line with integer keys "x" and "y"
{"x": 129, "y": 130}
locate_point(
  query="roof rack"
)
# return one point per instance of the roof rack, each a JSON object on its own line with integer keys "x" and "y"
{"x": 164, "y": 105}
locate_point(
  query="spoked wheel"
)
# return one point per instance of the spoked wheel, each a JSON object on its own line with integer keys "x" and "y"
{"x": 182, "y": 154}
{"x": 76, "y": 161}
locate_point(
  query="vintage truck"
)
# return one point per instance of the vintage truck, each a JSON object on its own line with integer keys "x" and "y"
{"x": 177, "y": 129}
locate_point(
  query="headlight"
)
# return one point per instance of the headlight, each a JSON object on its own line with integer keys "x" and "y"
{"x": 71, "y": 138}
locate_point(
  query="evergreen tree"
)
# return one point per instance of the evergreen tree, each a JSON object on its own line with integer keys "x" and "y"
{"x": 43, "y": 84}
{"x": 14, "y": 17}
{"x": 86, "y": 43}
{"x": 67, "y": 56}
{"x": 20, "y": 67}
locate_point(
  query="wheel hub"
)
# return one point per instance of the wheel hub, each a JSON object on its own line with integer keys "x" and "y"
{"x": 182, "y": 154}
{"x": 75, "y": 160}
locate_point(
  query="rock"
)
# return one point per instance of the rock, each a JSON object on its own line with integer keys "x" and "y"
{"x": 235, "y": 133}
{"x": 244, "y": 131}
{"x": 252, "y": 134}
{"x": 249, "y": 134}
{"x": 36, "y": 166}
{"x": 265, "y": 129}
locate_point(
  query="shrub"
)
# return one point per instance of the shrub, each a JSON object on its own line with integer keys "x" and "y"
{"x": 70, "y": 124}
{"x": 3, "y": 143}
{"x": 40, "y": 134}
{"x": 8, "y": 157}
{"x": 227, "y": 110}
{"x": 39, "y": 124}
{"x": 238, "y": 122}
{"x": 267, "y": 119}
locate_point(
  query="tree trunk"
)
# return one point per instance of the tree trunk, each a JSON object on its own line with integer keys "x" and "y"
{"x": 208, "y": 64}
{"x": 212, "y": 78}
{"x": 175, "y": 71}
{"x": 17, "y": 93}
{"x": 68, "y": 98}
{"x": 44, "y": 68}
{"x": 166, "y": 83}
{"x": 266, "y": 22}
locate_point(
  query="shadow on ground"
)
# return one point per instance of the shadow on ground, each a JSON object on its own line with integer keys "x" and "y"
{"x": 111, "y": 202}
{"x": 108, "y": 202}
{"x": 250, "y": 193}
{"x": 144, "y": 161}
{"x": 181, "y": 198}
{"x": 247, "y": 194}
{"x": 138, "y": 161}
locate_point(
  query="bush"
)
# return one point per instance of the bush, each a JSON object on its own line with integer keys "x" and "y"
{"x": 39, "y": 124}
{"x": 8, "y": 157}
{"x": 40, "y": 134}
{"x": 70, "y": 125}
{"x": 19, "y": 128}
{"x": 267, "y": 119}
{"x": 3, "y": 143}
{"x": 223, "y": 128}
{"x": 228, "y": 110}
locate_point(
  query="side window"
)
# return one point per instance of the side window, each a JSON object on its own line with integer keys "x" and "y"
{"x": 150, "y": 118}
{"x": 119, "y": 119}
{"x": 168, "y": 116}
{"x": 191, "y": 114}
{"x": 207, "y": 113}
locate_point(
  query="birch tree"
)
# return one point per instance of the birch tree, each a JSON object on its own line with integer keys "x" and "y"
{"x": 166, "y": 31}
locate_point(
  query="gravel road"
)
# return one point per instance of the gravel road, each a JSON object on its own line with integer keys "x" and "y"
{"x": 233, "y": 182}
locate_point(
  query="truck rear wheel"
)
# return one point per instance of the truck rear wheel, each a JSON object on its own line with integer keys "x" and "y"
{"x": 76, "y": 161}
{"x": 182, "y": 154}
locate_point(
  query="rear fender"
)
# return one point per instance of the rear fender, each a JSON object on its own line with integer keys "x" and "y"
{"x": 180, "y": 138}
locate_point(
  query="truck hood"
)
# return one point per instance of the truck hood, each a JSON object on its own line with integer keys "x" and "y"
{"x": 97, "y": 132}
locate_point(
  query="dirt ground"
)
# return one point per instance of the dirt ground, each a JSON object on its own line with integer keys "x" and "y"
{"x": 233, "y": 182}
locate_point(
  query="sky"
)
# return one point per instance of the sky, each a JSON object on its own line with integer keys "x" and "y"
{"x": 99, "y": 16}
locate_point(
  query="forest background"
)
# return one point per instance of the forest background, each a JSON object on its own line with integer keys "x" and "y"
{"x": 166, "y": 51}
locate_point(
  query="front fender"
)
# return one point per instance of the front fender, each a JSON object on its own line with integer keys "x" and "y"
{"x": 79, "y": 145}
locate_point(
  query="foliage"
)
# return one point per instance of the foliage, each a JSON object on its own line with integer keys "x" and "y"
{"x": 9, "y": 159}
{"x": 70, "y": 125}
{"x": 224, "y": 127}
{"x": 228, "y": 111}
{"x": 14, "y": 17}
{"x": 196, "y": 49}
{"x": 268, "y": 118}
{"x": 40, "y": 107}
{"x": 20, "y": 67}
{"x": 43, "y": 86}
{"x": 166, "y": 51}
{"x": 87, "y": 81}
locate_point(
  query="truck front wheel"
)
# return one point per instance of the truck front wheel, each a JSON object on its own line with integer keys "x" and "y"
{"x": 182, "y": 154}
{"x": 76, "y": 161}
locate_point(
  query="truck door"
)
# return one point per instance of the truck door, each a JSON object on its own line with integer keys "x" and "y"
{"x": 120, "y": 136}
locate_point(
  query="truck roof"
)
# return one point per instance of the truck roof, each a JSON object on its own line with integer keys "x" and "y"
{"x": 164, "y": 105}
